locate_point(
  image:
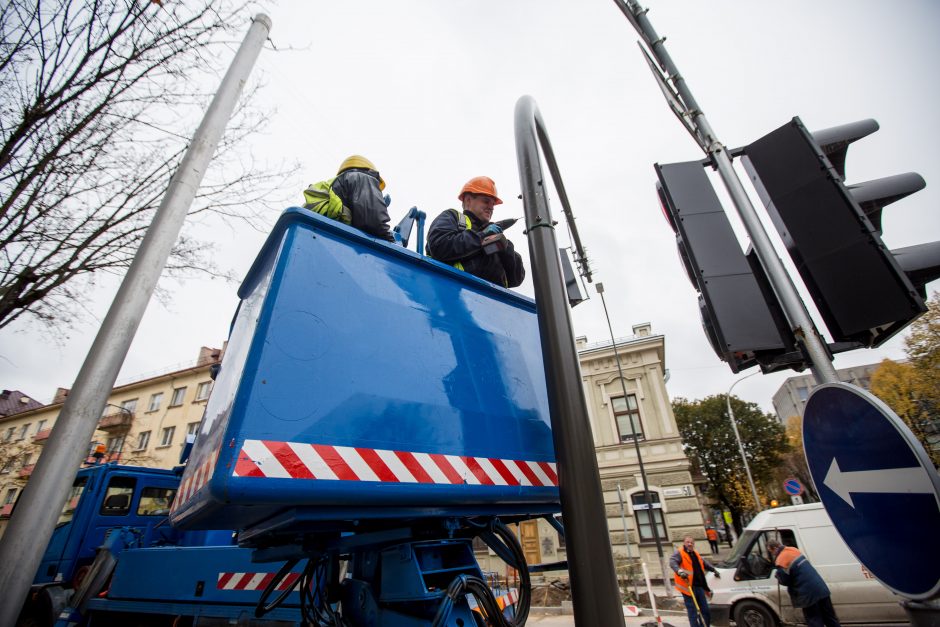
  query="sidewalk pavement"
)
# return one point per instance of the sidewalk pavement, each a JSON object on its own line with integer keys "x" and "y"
{"x": 567, "y": 620}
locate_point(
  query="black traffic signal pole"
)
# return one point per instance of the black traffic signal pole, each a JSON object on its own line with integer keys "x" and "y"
{"x": 594, "y": 590}
{"x": 686, "y": 108}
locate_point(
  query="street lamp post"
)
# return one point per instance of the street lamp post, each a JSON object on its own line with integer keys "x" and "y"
{"x": 737, "y": 437}
{"x": 654, "y": 526}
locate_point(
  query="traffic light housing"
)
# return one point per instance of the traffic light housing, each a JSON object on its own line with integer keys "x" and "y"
{"x": 832, "y": 231}
{"x": 742, "y": 318}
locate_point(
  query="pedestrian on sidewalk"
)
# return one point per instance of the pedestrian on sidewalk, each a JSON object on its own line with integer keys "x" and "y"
{"x": 712, "y": 536}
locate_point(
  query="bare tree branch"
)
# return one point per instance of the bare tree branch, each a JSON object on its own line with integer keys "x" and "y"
{"x": 85, "y": 157}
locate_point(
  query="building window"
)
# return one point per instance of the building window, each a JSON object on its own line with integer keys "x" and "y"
{"x": 641, "y": 510}
{"x": 24, "y": 430}
{"x": 10, "y": 497}
{"x": 25, "y": 459}
{"x": 178, "y": 394}
{"x": 115, "y": 444}
{"x": 9, "y": 434}
{"x": 129, "y": 406}
{"x": 155, "y": 401}
{"x": 167, "y": 438}
{"x": 202, "y": 391}
{"x": 802, "y": 393}
{"x": 143, "y": 439}
{"x": 627, "y": 415}
{"x": 40, "y": 426}
{"x": 192, "y": 428}
{"x": 8, "y": 466}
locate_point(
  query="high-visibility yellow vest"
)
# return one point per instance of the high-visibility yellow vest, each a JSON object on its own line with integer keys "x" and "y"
{"x": 322, "y": 199}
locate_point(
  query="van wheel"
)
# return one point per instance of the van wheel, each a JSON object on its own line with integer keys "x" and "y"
{"x": 753, "y": 614}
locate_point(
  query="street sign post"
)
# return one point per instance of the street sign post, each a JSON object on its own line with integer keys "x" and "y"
{"x": 878, "y": 486}
{"x": 793, "y": 487}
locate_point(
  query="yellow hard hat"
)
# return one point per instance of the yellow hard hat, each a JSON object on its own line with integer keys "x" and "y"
{"x": 358, "y": 161}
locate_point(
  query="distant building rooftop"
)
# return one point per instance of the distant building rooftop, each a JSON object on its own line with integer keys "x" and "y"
{"x": 14, "y": 402}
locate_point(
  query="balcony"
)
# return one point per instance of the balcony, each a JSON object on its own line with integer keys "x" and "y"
{"x": 118, "y": 421}
{"x": 42, "y": 436}
{"x": 26, "y": 471}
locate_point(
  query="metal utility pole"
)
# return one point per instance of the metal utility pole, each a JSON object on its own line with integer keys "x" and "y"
{"x": 33, "y": 522}
{"x": 737, "y": 437}
{"x": 639, "y": 455}
{"x": 594, "y": 589}
{"x": 685, "y": 107}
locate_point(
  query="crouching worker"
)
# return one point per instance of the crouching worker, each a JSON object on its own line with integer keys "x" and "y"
{"x": 353, "y": 197}
{"x": 468, "y": 240}
{"x": 806, "y": 588}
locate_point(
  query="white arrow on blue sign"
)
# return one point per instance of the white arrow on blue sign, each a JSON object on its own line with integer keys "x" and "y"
{"x": 878, "y": 486}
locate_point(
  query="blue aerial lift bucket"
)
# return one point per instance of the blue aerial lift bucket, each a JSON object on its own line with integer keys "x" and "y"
{"x": 365, "y": 381}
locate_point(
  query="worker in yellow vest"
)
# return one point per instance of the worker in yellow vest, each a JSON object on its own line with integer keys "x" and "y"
{"x": 354, "y": 197}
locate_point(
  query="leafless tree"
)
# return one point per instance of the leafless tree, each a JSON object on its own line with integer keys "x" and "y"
{"x": 98, "y": 99}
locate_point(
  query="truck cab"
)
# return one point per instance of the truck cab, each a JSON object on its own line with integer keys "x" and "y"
{"x": 748, "y": 591}
{"x": 103, "y": 498}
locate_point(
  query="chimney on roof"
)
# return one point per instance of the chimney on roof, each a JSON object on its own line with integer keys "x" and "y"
{"x": 60, "y": 394}
{"x": 4, "y": 395}
{"x": 208, "y": 356}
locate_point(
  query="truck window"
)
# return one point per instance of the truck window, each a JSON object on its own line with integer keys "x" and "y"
{"x": 75, "y": 493}
{"x": 118, "y": 496}
{"x": 155, "y": 501}
{"x": 758, "y": 563}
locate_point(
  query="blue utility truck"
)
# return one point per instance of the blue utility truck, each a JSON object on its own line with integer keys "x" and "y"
{"x": 374, "y": 412}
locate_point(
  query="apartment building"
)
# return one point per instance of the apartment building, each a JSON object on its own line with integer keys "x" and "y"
{"x": 144, "y": 423}
{"x": 790, "y": 398}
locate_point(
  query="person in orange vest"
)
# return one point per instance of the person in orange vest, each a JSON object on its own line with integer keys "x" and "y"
{"x": 806, "y": 587}
{"x": 458, "y": 238}
{"x": 689, "y": 568}
{"x": 712, "y": 536}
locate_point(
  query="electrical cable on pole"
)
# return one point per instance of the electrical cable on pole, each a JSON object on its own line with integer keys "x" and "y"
{"x": 639, "y": 455}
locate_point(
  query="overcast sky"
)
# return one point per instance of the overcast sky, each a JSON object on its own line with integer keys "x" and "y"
{"x": 426, "y": 89}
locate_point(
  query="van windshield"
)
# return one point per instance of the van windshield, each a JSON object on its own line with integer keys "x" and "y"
{"x": 740, "y": 546}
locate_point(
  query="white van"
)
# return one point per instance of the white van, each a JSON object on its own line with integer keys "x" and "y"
{"x": 749, "y": 593}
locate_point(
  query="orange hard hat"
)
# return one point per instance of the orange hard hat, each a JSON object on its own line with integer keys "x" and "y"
{"x": 480, "y": 185}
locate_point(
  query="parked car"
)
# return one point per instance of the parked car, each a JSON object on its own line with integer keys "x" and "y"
{"x": 748, "y": 591}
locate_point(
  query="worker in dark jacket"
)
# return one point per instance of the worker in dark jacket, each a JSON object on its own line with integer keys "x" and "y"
{"x": 468, "y": 240}
{"x": 806, "y": 588}
{"x": 353, "y": 197}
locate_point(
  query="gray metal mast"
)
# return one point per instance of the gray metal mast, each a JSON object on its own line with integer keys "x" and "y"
{"x": 37, "y": 511}
{"x": 686, "y": 108}
{"x": 594, "y": 589}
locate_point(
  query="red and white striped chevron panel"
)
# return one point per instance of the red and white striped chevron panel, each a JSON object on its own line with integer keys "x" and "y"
{"x": 253, "y": 581}
{"x": 291, "y": 460}
{"x": 193, "y": 482}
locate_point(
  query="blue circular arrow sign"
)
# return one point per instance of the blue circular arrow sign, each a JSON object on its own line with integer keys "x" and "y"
{"x": 878, "y": 486}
